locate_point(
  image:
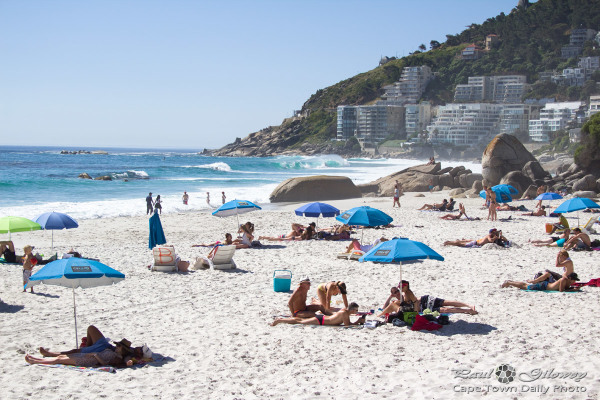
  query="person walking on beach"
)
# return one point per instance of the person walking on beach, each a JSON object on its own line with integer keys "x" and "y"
{"x": 396, "y": 195}
{"x": 223, "y": 197}
{"x": 208, "y": 198}
{"x": 149, "y": 204}
{"x": 185, "y": 198}
{"x": 158, "y": 204}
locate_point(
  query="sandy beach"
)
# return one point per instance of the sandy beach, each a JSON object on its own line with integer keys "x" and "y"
{"x": 212, "y": 327}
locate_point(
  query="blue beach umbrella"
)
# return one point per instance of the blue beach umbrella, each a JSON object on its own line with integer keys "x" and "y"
{"x": 511, "y": 190}
{"x": 56, "y": 221}
{"x": 502, "y": 196}
{"x": 399, "y": 250}
{"x": 317, "y": 209}
{"x": 76, "y": 272}
{"x": 235, "y": 207}
{"x": 549, "y": 196}
{"x": 576, "y": 204}
{"x": 364, "y": 216}
{"x": 157, "y": 235}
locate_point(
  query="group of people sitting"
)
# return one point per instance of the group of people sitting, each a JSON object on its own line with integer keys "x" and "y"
{"x": 445, "y": 205}
{"x": 244, "y": 240}
{"x": 320, "y": 312}
{"x": 301, "y": 232}
{"x": 550, "y": 280}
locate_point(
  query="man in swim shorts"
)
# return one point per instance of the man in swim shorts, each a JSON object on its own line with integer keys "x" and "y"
{"x": 297, "y": 302}
{"x": 561, "y": 285}
{"x": 341, "y": 317}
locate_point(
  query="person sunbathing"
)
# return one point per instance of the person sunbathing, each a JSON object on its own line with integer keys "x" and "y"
{"x": 355, "y": 245}
{"x": 579, "y": 241}
{"x": 437, "y": 207}
{"x": 341, "y": 317}
{"x": 561, "y": 285}
{"x": 540, "y": 212}
{"x": 341, "y": 233}
{"x": 228, "y": 240}
{"x": 326, "y": 290}
{"x": 307, "y": 234}
{"x": 98, "y": 351}
{"x": 461, "y": 209}
{"x": 427, "y": 302}
{"x": 553, "y": 241}
{"x": 489, "y": 238}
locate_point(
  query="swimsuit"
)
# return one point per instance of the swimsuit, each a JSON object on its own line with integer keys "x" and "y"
{"x": 322, "y": 287}
{"x": 538, "y": 286}
{"x": 471, "y": 244}
{"x": 432, "y": 303}
{"x": 561, "y": 242}
{"x": 320, "y": 318}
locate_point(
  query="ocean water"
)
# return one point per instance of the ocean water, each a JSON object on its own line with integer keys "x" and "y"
{"x": 34, "y": 180}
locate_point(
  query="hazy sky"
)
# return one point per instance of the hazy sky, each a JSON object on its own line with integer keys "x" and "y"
{"x": 175, "y": 73}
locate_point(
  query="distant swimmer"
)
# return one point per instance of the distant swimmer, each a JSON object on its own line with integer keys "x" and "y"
{"x": 223, "y": 197}
{"x": 185, "y": 198}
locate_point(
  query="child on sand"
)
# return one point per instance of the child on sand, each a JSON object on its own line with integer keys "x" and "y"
{"x": 29, "y": 261}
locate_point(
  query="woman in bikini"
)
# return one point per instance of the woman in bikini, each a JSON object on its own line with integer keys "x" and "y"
{"x": 492, "y": 214}
{"x": 462, "y": 212}
{"x": 341, "y": 317}
{"x": 326, "y": 290}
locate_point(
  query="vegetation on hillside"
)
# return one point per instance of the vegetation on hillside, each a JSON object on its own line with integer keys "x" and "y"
{"x": 587, "y": 155}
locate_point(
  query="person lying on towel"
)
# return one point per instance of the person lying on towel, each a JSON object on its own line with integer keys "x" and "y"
{"x": 561, "y": 285}
{"x": 341, "y": 317}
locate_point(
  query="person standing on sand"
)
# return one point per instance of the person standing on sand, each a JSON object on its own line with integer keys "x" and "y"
{"x": 297, "y": 302}
{"x": 149, "y": 204}
{"x": 341, "y": 317}
{"x": 158, "y": 204}
{"x": 208, "y": 198}
{"x": 396, "y": 195}
{"x": 28, "y": 262}
{"x": 185, "y": 198}
{"x": 223, "y": 197}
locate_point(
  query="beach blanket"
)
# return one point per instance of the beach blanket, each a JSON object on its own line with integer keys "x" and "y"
{"x": 555, "y": 291}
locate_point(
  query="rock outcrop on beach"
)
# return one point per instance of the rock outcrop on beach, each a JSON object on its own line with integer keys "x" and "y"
{"x": 315, "y": 188}
{"x": 504, "y": 154}
{"x": 84, "y": 175}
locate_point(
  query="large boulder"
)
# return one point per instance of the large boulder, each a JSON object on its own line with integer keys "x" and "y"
{"x": 535, "y": 171}
{"x": 504, "y": 154}
{"x": 446, "y": 180}
{"x": 467, "y": 180}
{"x": 530, "y": 193}
{"x": 589, "y": 194}
{"x": 315, "y": 188}
{"x": 103, "y": 178}
{"x": 517, "y": 179}
{"x": 588, "y": 182}
{"x": 454, "y": 171}
{"x": 84, "y": 175}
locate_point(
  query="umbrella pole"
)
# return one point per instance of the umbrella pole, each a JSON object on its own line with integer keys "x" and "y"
{"x": 75, "y": 317}
{"x": 400, "y": 282}
{"x": 52, "y": 251}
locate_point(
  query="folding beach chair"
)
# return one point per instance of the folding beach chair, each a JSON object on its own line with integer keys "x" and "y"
{"x": 220, "y": 257}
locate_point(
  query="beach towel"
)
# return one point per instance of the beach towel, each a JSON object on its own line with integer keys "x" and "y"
{"x": 80, "y": 369}
{"x": 556, "y": 291}
{"x": 593, "y": 282}
{"x": 422, "y": 323}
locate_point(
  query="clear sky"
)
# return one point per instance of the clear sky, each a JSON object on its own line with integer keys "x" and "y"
{"x": 179, "y": 74}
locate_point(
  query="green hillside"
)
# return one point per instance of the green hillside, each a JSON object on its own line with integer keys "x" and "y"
{"x": 530, "y": 43}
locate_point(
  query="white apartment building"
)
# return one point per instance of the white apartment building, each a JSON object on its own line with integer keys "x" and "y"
{"x": 417, "y": 117}
{"x": 515, "y": 117}
{"x": 369, "y": 124}
{"x": 465, "y": 123}
{"x": 410, "y": 87}
{"x": 499, "y": 89}
{"x": 594, "y": 106}
{"x": 577, "y": 76}
{"x": 553, "y": 117}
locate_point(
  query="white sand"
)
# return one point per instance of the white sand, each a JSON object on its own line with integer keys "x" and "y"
{"x": 213, "y": 326}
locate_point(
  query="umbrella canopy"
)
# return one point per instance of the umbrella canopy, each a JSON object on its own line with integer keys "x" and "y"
{"x": 235, "y": 207}
{"x": 502, "y": 195}
{"x": 399, "y": 250}
{"x": 157, "y": 235}
{"x": 549, "y": 196}
{"x": 317, "y": 209}
{"x": 364, "y": 216}
{"x": 76, "y": 272}
{"x": 56, "y": 221}
{"x": 17, "y": 224}
{"x": 576, "y": 204}
{"x": 511, "y": 190}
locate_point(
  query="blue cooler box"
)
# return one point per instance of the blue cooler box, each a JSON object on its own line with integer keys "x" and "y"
{"x": 282, "y": 280}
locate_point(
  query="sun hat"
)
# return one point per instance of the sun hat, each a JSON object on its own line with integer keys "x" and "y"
{"x": 305, "y": 279}
{"x": 126, "y": 345}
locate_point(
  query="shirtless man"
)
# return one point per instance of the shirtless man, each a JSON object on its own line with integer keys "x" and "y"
{"x": 341, "y": 317}
{"x": 579, "y": 240}
{"x": 537, "y": 213}
{"x": 563, "y": 284}
{"x": 489, "y": 238}
{"x": 427, "y": 301}
{"x": 297, "y": 302}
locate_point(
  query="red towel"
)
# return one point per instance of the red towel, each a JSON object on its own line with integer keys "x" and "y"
{"x": 594, "y": 282}
{"x": 422, "y": 323}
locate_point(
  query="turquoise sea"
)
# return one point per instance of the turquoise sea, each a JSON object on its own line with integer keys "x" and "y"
{"x": 34, "y": 180}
